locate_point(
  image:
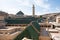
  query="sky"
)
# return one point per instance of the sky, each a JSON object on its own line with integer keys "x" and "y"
{"x": 41, "y": 6}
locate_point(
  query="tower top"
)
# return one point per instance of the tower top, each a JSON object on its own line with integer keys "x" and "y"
{"x": 33, "y": 5}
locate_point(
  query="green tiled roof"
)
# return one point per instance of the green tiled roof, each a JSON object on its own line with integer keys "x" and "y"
{"x": 30, "y": 32}
{"x": 36, "y": 25}
{"x": 19, "y": 20}
{"x": 20, "y": 13}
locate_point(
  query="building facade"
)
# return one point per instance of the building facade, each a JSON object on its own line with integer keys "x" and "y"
{"x": 58, "y": 19}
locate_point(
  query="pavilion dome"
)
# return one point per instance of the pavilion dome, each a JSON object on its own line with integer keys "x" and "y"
{"x": 20, "y": 13}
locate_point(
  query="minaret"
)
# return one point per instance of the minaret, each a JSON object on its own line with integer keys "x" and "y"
{"x": 33, "y": 10}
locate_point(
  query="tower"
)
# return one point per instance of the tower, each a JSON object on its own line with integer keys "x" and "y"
{"x": 33, "y": 10}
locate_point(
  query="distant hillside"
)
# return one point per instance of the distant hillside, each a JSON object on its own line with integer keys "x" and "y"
{"x": 51, "y": 16}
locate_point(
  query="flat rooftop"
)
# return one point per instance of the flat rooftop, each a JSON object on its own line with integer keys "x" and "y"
{"x": 10, "y": 28}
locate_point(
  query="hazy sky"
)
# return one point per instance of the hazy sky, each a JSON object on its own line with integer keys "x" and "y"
{"x": 41, "y": 6}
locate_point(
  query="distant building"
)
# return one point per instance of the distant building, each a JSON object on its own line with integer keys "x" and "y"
{"x": 58, "y": 19}
{"x": 20, "y": 13}
{"x": 3, "y": 15}
{"x": 57, "y": 23}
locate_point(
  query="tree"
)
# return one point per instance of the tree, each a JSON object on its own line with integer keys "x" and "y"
{"x": 40, "y": 19}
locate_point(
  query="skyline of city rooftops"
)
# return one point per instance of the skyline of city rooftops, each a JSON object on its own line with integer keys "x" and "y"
{"x": 41, "y": 6}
